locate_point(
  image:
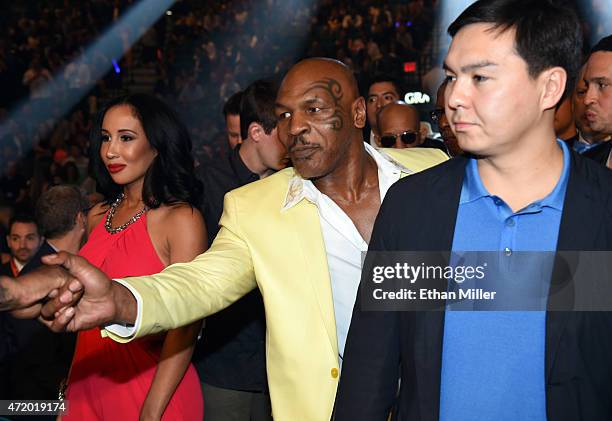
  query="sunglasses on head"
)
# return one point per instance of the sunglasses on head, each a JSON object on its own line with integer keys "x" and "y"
{"x": 388, "y": 140}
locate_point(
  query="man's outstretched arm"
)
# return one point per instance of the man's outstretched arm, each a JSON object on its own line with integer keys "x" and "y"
{"x": 8, "y": 298}
{"x": 177, "y": 296}
{"x": 24, "y": 297}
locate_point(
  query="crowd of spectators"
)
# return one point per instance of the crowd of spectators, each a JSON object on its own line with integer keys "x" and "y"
{"x": 195, "y": 56}
{"x": 199, "y": 52}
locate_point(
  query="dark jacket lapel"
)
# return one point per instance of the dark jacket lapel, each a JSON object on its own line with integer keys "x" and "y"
{"x": 438, "y": 229}
{"x": 580, "y": 229}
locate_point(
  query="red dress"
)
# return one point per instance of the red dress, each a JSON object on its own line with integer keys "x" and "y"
{"x": 109, "y": 380}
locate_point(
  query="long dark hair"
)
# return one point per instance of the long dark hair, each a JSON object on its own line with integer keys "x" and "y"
{"x": 170, "y": 179}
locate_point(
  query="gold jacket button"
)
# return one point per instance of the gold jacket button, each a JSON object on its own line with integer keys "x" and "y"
{"x": 334, "y": 373}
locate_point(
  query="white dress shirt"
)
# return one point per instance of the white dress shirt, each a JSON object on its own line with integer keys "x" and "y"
{"x": 343, "y": 243}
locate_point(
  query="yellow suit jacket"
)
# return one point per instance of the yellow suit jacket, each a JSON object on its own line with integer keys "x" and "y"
{"x": 283, "y": 253}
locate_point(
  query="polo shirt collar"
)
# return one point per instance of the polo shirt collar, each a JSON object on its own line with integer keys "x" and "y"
{"x": 473, "y": 188}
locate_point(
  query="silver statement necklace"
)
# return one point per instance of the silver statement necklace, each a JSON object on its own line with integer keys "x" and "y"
{"x": 109, "y": 217}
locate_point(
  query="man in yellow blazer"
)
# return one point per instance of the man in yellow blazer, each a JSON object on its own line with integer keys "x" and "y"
{"x": 290, "y": 234}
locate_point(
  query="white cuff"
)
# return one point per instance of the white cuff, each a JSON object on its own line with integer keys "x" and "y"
{"x": 124, "y": 330}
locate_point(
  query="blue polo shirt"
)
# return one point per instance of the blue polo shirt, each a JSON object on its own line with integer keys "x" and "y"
{"x": 493, "y": 361}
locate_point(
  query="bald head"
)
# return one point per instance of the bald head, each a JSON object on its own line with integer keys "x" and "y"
{"x": 398, "y": 112}
{"x": 313, "y": 69}
{"x": 397, "y": 118}
{"x": 321, "y": 115}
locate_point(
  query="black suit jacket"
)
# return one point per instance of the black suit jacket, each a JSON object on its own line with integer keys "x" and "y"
{"x": 232, "y": 352}
{"x": 41, "y": 358}
{"x": 599, "y": 153}
{"x": 36, "y": 262}
{"x": 7, "y": 340}
{"x": 419, "y": 214}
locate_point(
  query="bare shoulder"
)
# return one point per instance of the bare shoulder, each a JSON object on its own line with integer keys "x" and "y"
{"x": 95, "y": 215}
{"x": 176, "y": 215}
{"x": 179, "y": 229}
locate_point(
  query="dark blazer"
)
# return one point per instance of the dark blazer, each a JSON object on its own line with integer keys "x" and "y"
{"x": 42, "y": 358}
{"x": 419, "y": 214}
{"x": 7, "y": 340}
{"x": 599, "y": 153}
{"x": 434, "y": 143}
{"x": 36, "y": 262}
{"x": 5, "y": 269}
{"x": 232, "y": 352}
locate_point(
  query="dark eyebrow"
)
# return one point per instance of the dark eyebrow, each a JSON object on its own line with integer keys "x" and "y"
{"x": 598, "y": 79}
{"x": 119, "y": 131}
{"x": 312, "y": 101}
{"x": 469, "y": 67}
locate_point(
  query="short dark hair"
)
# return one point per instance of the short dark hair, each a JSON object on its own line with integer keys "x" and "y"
{"x": 232, "y": 105}
{"x": 57, "y": 209}
{"x": 381, "y": 78}
{"x": 170, "y": 178}
{"x": 23, "y": 218}
{"x": 547, "y": 34}
{"x": 257, "y": 106}
{"x": 604, "y": 44}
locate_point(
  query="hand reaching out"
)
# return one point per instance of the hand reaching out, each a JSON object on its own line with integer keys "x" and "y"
{"x": 86, "y": 301}
{"x": 24, "y": 297}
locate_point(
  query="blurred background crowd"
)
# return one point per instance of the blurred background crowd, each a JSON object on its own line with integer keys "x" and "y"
{"x": 55, "y": 74}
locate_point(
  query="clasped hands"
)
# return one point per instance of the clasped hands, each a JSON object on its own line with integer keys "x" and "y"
{"x": 68, "y": 295}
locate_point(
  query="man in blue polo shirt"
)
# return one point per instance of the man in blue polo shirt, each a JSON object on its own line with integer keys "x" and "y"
{"x": 518, "y": 189}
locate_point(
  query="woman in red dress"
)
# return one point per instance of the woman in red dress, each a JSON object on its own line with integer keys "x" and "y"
{"x": 141, "y": 157}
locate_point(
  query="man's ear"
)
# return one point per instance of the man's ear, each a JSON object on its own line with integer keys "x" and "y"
{"x": 553, "y": 81}
{"x": 255, "y": 132}
{"x": 358, "y": 111}
{"x": 81, "y": 218}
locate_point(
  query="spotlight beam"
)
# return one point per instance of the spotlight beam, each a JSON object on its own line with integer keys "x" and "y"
{"x": 121, "y": 35}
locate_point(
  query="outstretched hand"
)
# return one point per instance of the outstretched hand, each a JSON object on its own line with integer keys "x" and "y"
{"x": 24, "y": 297}
{"x": 85, "y": 301}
